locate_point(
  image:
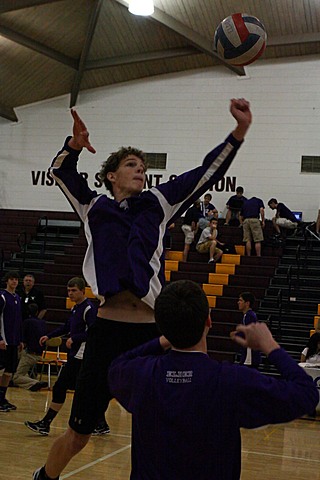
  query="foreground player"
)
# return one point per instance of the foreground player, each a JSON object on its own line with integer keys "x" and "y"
{"x": 124, "y": 263}
{"x": 184, "y": 398}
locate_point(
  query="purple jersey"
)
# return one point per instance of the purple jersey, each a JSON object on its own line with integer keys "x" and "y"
{"x": 82, "y": 317}
{"x": 132, "y": 231}
{"x": 10, "y": 318}
{"x": 187, "y": 409}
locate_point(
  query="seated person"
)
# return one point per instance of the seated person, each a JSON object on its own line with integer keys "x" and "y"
{"x": 311, "y": 353}
{"x": 190, "y": 226}
{"x": 208, "y": 242}
{"x": 283, "y": 218}
{"x": 209, "y": 211}
{"x": 234, "y": 205}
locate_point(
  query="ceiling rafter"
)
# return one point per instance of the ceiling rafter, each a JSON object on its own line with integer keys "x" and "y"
{"x": 37, "y": 47}
{"x": 141, "y": 57}
{"x": 197, "y": 40}
{"x": 8, "y": 113}
{"x": 12, "y": 5}
{"x": 85, "y": 51}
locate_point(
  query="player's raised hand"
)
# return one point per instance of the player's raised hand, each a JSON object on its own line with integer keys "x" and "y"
{"x": 80, "y": 137}
{"x": 240, "y": 110}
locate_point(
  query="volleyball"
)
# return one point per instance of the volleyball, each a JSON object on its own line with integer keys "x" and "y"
{"x": 240, "y": 39}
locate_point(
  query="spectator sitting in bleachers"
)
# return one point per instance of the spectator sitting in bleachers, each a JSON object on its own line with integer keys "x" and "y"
{"x": 311, "y": 353}
{"x": 208, "y": 242}
{"x": 209, "y": 211}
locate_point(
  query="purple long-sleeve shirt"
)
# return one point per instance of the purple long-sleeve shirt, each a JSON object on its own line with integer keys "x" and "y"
{"x": 132, "y": 231}
{"x": 187, "y": 409}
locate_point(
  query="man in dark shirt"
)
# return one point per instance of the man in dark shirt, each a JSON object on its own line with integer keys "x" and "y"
{"x": 30, "y": 294}
{"x": 234, "y": 205}
{"x": 250, "y": 215}
{"x": 190, "y": 226}
{"x": 284, "y": 217}
{"x": 33, "y": 328}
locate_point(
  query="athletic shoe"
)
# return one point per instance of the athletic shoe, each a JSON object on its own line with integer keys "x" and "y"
{"x": 3, "y": 408}
{"x": 212, "y": 261}
{"x": 9, "y": 405}
{"x": 37, "y": 474}
{"x": 101, "y": 429}
{"x": 38, "y": 427}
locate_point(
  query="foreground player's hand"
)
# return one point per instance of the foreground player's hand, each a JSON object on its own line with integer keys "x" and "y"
{"x": 80, "y": 137}
{"x": 256, "y": 336}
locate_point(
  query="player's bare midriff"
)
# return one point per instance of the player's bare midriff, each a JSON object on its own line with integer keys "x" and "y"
{"x": 126, "y": 307}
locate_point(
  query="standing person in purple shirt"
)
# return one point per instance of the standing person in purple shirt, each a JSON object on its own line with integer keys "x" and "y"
{"x": 250, "y": 214}
{"x": 83, "y": 315}
{"x": 249, "y": 357}
{"x": 124, "y": 262}
{"x": 182, "y": 397}
{"x": 10, "y": 335}
{"x": 284, "y": 217}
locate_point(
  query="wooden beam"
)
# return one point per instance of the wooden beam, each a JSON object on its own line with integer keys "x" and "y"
{"x": 12, "y": 5}
{"x": 8, "y": 113}
{"x": 293, "y": 39}
{"x": 85, "y": 51}
{"x": 194, "y": 38}
{"x": 141, "y": 57}
{"x": 37, "y": 47}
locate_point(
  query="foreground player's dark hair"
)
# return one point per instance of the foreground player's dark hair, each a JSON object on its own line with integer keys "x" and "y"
{"x": 181, "y": 311}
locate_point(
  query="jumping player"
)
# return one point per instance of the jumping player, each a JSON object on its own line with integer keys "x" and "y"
{"x": 124, "y": 263}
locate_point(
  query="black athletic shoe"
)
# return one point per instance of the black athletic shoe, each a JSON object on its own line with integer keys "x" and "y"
{"x": 38, "y": 427}
{"x": 101, "y": 429}
{"x": 9, "y": 405}
{"x": 39, "y": 474}
{"x": 3, "y": 408}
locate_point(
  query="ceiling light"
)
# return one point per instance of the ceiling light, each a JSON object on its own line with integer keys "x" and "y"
{"x": 141, "y": 7}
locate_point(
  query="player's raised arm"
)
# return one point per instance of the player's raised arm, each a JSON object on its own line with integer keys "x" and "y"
{"x": 80, "y": 138}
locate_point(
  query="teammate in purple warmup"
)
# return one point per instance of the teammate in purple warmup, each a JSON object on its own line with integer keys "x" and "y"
{"x": 187, "y": 408}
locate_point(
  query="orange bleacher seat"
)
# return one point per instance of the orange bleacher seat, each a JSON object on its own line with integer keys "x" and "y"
{"x": 89, "y": 293}
{"x": 225, "y": 268}
{"x": 212, "y": 301}
{"x": 172, "y": 265}
{"x": 231, "y": 258}
{"x": 219, "y": 278}
{"x": 167, "y": 274}
{"x": 210, "y": 289}
{"x": 316, "y": 322}
{"x": 174, "y": 255}
{"x": 240, "y": 249}
{"x": 318, "y": 308}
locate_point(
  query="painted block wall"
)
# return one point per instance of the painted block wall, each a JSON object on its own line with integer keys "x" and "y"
{"x": 183, "y": 115}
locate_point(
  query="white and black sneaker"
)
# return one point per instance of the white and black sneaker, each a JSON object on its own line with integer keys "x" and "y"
{"x": 40, "y": 474}
{"x": 38, "y": 427}
{"x": 3, "y": 408}
{"x": 101, "y": 429}
{"x": 9, "y": 405}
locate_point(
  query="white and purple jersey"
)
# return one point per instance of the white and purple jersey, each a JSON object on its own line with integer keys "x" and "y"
{"x": 83, "y": 315}
{"x": 125, "y": 240}
{"x": 10, "y": 318}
